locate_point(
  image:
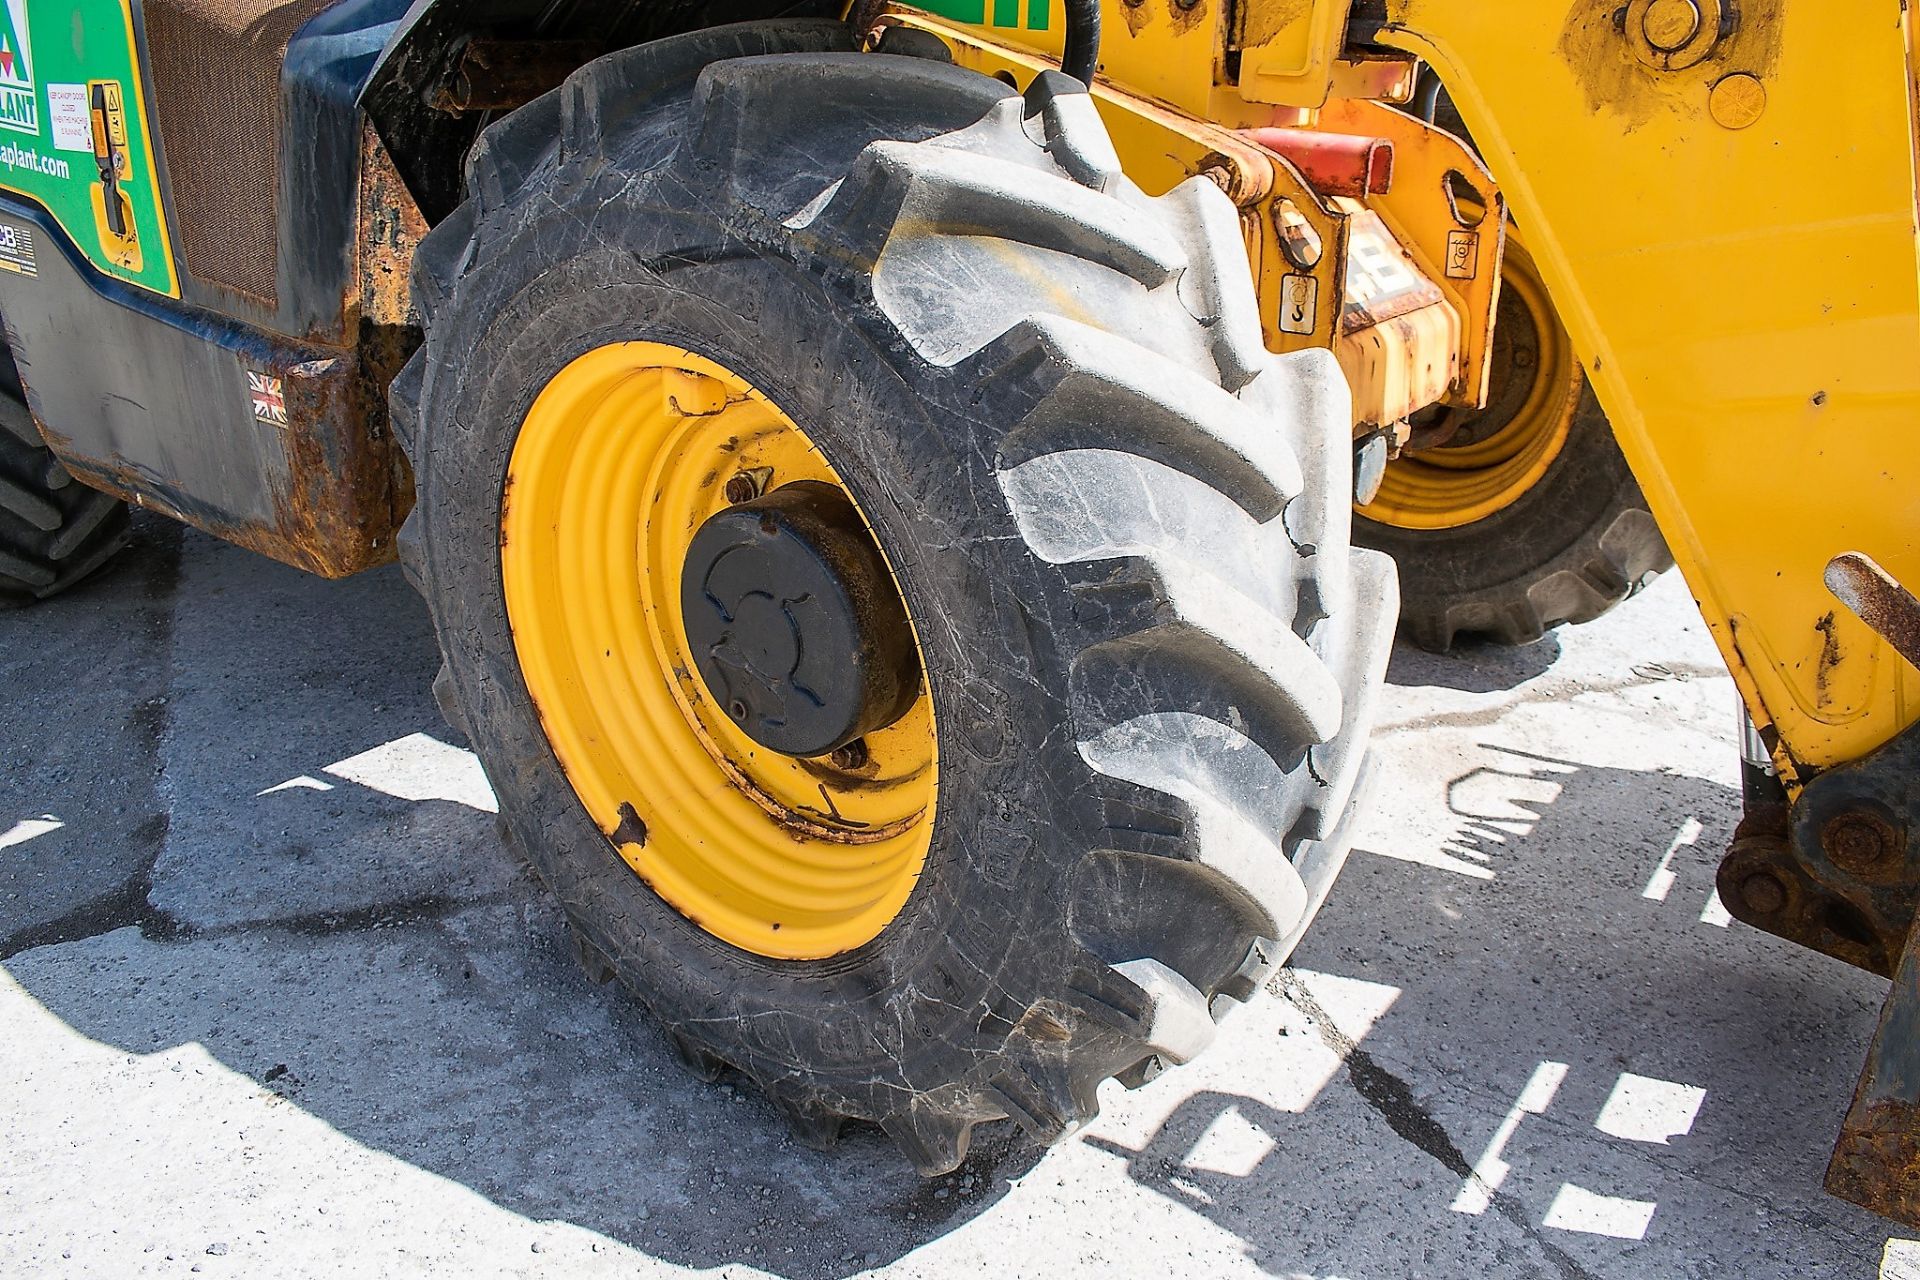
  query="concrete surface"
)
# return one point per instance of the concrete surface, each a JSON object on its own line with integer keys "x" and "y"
{"x": 275, "y": 1002}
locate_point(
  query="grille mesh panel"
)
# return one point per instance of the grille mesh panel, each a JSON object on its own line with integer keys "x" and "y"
{"x": 216, "y": 75}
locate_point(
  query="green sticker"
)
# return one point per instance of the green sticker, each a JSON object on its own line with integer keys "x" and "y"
{"x": 1006, "y": 13}
{"x": 73, "y": 133}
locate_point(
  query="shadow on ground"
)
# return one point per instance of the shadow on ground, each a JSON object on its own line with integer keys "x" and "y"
{"x": 380, "y": 960}
{"x": 376, "y": 958}
{"x": 1580, "y": 980}
{"x": 1474, "y": 665}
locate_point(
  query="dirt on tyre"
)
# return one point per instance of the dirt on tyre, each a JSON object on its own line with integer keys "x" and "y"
{"x": 745, "y": 309}
{"x": 54, "y": 531}
{"x": 1522, "y": 516}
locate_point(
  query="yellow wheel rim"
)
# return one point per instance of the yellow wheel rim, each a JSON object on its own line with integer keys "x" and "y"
{"x": 624, "y": 454}
{"x": 1497, "y": 454}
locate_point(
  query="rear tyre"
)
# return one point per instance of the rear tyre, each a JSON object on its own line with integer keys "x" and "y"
{"x": 1526, "y": 516}
{"x": 1147, "y": 651}
{"x": 54, "y": 531}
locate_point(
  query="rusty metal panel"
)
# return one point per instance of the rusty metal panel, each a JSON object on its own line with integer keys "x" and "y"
{"x": 1876, "y": 1162}
{"x": 279, "y": 446}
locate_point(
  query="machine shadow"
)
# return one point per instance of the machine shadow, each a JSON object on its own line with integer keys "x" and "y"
{"x": 1590, "y": 951}
{"x": 383, "y": 963}
{"x": 1474, "y": 665}
{"x": 367, "y": 950}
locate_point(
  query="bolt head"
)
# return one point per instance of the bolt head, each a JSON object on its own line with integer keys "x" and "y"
{"x": 1738, "y": 101}
{"x": 851, "y": 757}
{"x": 1862, "y": 843}
{"x": 741, "y": 488}
{"x": 1669, "y": 24}
{"x": 1763, "y": 893}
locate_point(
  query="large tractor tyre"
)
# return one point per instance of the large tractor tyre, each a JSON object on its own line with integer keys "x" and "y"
{"x": 1526, "y": 516}
{"x": 54, "y": 531}
{"x": 905, "y": 612}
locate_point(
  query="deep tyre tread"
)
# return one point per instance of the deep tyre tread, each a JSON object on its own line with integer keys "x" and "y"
{"x": 1575, "y": 545}
{"x": 53, "y": 533}
{"x": 1155, "y": 649}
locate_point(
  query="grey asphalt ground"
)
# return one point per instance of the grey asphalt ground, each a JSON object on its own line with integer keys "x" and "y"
{"x": 274, "y": 1001}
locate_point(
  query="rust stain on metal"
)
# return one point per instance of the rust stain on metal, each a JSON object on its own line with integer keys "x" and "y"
{"x": 803, "y": 822}
{"x": 336, "y": 484}
{"x": 1874, "y": 597}
{"x": 391, "y": 227}
{"x": 1831, "y": 656}
{"x": 1336, "y": 164}
{"x": 1876, "y": 1162}
{"x": 1262, "y": 22}
{"x": 331, "y": 479}
{"x": 632, "y": 829}
{"x": 1763, "y": 882}
{"x": 1866, "y": 844}
{"x": 1243, "y": 173}
{"x": 499, "y": 75}
{"x": 1619, "y": 71}
{"x": 1421, "y": 212}
{"x": 1188, "y": 15}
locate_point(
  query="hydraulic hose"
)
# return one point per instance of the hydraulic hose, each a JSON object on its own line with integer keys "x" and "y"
{"x": 1426, "y": 98}
{"x": 1082, "y": 53}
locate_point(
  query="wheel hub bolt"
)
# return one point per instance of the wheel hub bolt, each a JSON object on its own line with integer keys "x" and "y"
{"x": 850, "y": 757}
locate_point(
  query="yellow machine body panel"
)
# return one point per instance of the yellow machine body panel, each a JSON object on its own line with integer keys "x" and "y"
{"x": 1732, "y": 244}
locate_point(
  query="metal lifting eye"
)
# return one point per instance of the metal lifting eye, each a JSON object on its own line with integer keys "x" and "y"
{"x": 1468, "y": 205}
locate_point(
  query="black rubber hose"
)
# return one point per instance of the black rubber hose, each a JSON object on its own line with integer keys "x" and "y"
{"x": 1082, "y": 53}
{"x": 1426, "y": 99}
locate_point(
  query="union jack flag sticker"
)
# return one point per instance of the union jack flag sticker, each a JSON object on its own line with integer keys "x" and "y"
{"x": 269, "y": 398}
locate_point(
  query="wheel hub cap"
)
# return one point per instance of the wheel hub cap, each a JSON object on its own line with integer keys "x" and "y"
{"x": 793, "y": 621}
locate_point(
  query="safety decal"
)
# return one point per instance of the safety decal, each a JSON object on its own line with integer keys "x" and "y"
{"x": 19, "y": 104}
{"x": 1299, "y": 304}
{"x": 1463, "y": 255}
{"x": 269, "y": 398}
{"x": 16, "y": 249}
{"x": 67, "y": 118}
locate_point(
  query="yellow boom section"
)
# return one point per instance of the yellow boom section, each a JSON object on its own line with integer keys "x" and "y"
{"x": 1725, "y": 216}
